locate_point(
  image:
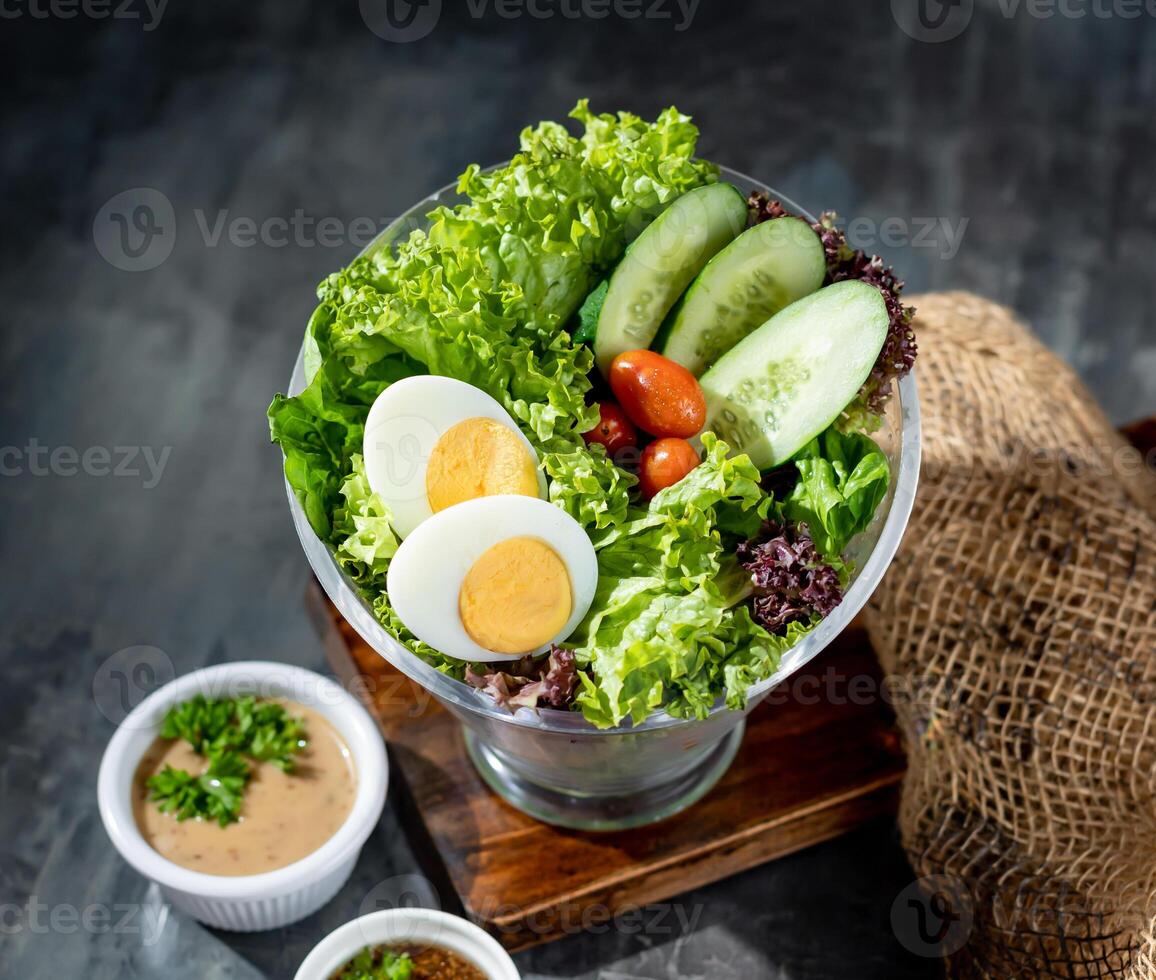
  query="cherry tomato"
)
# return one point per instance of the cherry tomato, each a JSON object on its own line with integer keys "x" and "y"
{"x": 658, "y": 394}
{"x": 665, "y": 462}
{"x": 614, "y": 430}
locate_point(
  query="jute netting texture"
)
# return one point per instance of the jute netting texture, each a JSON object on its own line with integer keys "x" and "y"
{"x": 1022, "y": 611}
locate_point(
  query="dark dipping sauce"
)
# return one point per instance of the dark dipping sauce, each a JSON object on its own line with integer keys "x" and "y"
{"x": 429, "y": 963}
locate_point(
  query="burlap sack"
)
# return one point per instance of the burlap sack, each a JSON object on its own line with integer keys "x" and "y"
{"x": 1023, "y": 608}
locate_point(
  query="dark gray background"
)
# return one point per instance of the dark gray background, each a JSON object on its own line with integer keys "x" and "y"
{"x": 1038, "y": 131}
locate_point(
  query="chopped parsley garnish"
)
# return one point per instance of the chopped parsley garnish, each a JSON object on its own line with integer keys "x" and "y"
{"x": 226, "y": 732}
{"x": 377, "y": 964}
{"x": 214, "y": 795}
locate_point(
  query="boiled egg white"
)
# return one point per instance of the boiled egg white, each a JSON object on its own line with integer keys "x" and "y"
{"x": 432, "y": 442}
{"x": 494, "y": 578}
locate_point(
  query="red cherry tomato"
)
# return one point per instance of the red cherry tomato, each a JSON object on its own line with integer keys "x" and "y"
{"x": 665, "y": 462}
{"x": 614, "y": 430}
{"x": 659, "y": 395}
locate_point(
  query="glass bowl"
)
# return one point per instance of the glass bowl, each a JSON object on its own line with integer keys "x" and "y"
{"x": 554, "y": 765}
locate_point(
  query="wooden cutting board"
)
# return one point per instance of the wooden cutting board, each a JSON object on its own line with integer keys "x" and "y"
{"x": 809, "y": 768}
{"x": 821, "y": 756}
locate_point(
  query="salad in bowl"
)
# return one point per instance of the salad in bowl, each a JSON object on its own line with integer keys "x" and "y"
{"x": 602, "y": 436}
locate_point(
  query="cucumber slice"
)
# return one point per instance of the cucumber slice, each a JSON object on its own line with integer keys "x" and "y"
{"x": 661, "y": 263}
{"x": 759, "y": 273}
{"x": 773, "y": 392}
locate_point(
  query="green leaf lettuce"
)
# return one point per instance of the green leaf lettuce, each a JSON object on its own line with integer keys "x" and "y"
{"x": 666, "y": 627}
{"x": 843, "y": 477}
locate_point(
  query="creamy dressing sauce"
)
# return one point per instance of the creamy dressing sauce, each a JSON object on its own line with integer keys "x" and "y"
{"x": 284, "y": 817}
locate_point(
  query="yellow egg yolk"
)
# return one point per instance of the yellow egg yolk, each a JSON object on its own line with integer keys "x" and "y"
{"x": 477, "y": 458}
{"x": 516, "y": 597}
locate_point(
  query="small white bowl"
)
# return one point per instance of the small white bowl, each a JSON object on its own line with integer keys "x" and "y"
{"x": 406, "y": 925}
{"x": 247, "y": 903}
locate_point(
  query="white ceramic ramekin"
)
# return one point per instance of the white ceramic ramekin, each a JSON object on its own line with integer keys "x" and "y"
{"x": 405, "y": 925}
{"x": 248, "y": 903}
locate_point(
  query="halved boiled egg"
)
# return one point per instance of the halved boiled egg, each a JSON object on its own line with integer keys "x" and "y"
{"x": 432, "y": 442}
{"x": 494, "y": 578}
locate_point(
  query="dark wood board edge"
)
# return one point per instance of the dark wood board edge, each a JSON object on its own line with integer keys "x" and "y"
{"x": 725, "y": 857}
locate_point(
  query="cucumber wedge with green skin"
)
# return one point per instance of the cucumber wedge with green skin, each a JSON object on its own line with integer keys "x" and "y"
{"x": 761, "y": 272}
{"x": 661, "y": 263}
{"x": 773, "y": 392}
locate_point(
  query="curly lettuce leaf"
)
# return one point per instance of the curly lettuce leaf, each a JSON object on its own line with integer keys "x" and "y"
{"x": 665, "y": 629}
{"x": 567, "y": 206}
{"x": 482, "y": 297}
{"x": 362, "y": 528}
{"x": 843, "y": 477}
{"x": 586, "y": 484}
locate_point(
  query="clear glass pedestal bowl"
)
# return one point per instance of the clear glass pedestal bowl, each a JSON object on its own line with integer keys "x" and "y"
{"x": 555, "y": 766}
